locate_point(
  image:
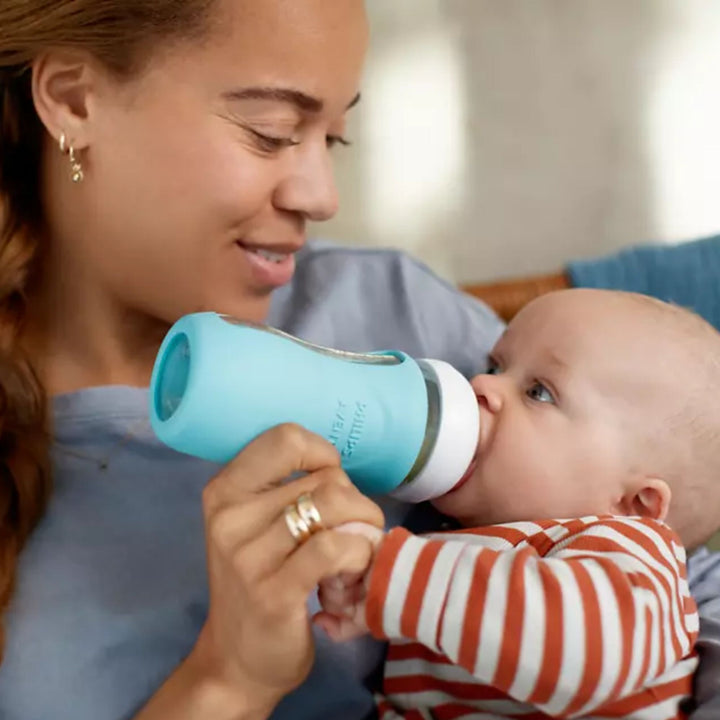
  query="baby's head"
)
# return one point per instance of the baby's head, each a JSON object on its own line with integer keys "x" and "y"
{"x": 598, "y": 402}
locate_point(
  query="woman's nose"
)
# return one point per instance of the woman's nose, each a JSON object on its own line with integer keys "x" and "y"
{"x": 489, "y": 390}
{"x": 309, "y": 188}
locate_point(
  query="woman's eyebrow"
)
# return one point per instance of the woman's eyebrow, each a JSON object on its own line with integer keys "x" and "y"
{"x": 299, "y": 99}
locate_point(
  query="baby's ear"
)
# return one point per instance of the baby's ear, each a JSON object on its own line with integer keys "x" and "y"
{"x": 648, "y": 499}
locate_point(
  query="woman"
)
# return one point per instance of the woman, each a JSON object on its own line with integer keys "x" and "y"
{"x": 159, "y": 157}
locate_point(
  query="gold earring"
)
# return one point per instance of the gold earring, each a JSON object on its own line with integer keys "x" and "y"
{"x": 76, "y": 170}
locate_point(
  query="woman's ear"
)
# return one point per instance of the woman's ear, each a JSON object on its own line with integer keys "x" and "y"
{"x": 62, "y": 84}
{"x": 648, "y": 499}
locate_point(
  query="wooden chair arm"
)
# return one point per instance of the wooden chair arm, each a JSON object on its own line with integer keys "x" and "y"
{"x": 508, "y": 296}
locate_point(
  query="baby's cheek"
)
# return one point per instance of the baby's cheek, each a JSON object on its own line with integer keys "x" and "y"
{"x": 517, "y": 492}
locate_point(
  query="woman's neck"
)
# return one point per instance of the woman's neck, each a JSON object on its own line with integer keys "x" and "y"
{"x": 78, "y": 337}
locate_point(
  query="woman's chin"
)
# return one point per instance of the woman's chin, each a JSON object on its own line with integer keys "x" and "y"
{"x": 250, "y": 308}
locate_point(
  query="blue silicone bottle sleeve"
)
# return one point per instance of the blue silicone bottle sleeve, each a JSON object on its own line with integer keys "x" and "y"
{"x": 217, "y": 384}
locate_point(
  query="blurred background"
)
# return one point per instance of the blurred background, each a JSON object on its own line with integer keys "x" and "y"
{"x": 499, "y": 138}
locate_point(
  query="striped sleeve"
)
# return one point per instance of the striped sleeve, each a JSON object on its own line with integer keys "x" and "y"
{"x": 566, "y": 625}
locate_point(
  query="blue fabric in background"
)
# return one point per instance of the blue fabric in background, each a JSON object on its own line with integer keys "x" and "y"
{"x": 687, "y": 274}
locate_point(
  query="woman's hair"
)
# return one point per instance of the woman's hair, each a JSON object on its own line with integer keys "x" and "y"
{"x": 120, "y": 34}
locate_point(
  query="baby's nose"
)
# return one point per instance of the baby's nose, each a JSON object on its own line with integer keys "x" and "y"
{"x": 488, "y": 389}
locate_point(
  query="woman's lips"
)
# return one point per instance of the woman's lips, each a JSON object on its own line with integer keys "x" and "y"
{"x": 270, "y": 268}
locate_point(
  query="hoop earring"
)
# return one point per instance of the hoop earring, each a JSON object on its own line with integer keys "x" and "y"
{"x": 76, "y": 170}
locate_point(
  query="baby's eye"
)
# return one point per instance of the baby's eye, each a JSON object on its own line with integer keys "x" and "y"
{"x": 540, "y": 393}
{"x": 492, "y": 367}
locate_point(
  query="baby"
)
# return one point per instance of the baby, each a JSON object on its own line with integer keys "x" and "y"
{"x": 600, "y": 408}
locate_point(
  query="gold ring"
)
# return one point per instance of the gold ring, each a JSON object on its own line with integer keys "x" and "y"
{"x": 309, "y": 513}
{"x": 296, "y": 525}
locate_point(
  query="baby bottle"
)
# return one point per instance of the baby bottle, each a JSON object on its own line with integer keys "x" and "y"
{"x": 404, "y": 427}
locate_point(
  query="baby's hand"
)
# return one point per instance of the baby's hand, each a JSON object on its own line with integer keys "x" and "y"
{"x": 343, "y": 597}
{"x": 343, "y": 601}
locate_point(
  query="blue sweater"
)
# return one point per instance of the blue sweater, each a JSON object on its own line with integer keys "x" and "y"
{"x": 112, "y": 587}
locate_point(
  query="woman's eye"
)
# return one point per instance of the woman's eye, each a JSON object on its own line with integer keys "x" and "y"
{"x": 335, "y": 140}
{"x": 273, "y": 143}
{"x": 270, "y": 143}
{"x": 540, "y": 393}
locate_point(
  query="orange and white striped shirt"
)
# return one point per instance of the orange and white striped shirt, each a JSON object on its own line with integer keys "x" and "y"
{"x": 588, "y": 618}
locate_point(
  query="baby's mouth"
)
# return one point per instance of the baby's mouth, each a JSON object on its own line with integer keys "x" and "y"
{"x": 482, "y": 406}
{"x": 468, "y": 474}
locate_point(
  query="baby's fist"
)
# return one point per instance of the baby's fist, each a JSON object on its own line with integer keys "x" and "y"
{"x": 343, "y": 597}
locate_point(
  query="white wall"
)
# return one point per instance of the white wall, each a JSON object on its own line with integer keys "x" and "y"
{"x": 502, "y": 137}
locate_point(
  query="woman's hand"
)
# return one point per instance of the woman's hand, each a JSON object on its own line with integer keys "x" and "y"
{"x": 257, "y": 637}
